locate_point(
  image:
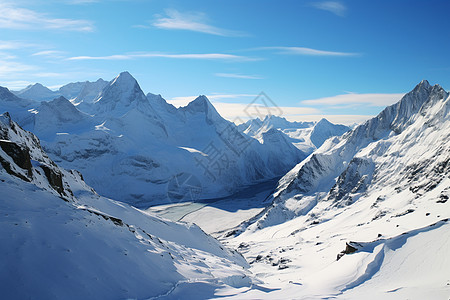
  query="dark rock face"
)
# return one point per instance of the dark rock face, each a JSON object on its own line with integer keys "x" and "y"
{"x": 353, "y": 180}
{"x": 54, "y": 178}
{"x": 19, "y": 155}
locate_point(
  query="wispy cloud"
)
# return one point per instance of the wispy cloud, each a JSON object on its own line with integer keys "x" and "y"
{"x": 12, "y": 17}
{"x": 47, "y": 53}
{"x": 15, "y": 84}
{"x": 51, "y": 54}
{"x": 353, "y": 98}
{"x": 12, "y": 45}
{"x": 334, "y": 7}
{"x": 199, "y": 56}
{"x": 192, "y": 21}
{"x": 237, "y": 76}
{"x": 307, "y": 51}
{"x": 10, "y": 68}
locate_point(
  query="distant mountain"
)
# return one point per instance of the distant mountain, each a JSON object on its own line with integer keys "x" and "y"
{"x": 77, "y": 92}
{"x": 306, "y": 136}
{"x": 324, "y": 129}
{"x": 132, "y": 147}
{"x": 55, "y": 225}
{"x": 37, "y": 92}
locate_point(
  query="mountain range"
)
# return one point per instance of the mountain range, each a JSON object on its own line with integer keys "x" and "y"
{"x": 359, "y": 213}
{"x": 142, "y": 144}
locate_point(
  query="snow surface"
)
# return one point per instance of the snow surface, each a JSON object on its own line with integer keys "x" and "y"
{"x": 383, "y": 186}
{"x": 75, "y": 244}
{"x": 366, "y": 216}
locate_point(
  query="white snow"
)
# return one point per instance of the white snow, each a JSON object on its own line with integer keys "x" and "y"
{"x": 365, "y": 216}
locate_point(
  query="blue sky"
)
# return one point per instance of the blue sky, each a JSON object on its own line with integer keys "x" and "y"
{"x": 344, "y": 60}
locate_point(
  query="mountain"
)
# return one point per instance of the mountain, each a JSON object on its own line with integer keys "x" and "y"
{"x": 77, "y": 92}
{"x": 88, "y": 93}
{"x": 362, "y": 158}
{"x": 37, "y": 92}
{"x": 324, "y": 129}
{"x": 306, "y": 136}
{"x": 143, "y": 145}
{"x": 366, "y": 213}
{"x": 59, "y": 235}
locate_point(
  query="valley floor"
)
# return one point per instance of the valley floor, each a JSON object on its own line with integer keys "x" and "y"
{"x": 217, "y": 216}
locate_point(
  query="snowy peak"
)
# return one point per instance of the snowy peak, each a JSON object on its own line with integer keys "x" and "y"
{"x": 122, "y": 94}
{"x": 398, "y": 116}
{"x": 6, "y": 95}
{"x": 37, "y": 92}
{"x": 201, "y": 105}
{"x": 283, "y": 123}
{"x": 124, "y": 79}
{"x": 62, "y": 108}
{"x": 324, "y": 129}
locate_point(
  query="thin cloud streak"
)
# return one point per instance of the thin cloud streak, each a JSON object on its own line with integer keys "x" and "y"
{"x": 307, "y": 51}
{"x": 12, "y": 17}
{"x": 334, "y": 7}
{"x": 192, "y": 21}
{"x": 237, "y": 76}
{"x": 201, "y": 56}
{"x": 51, "y": 53}
{"x": 12, "y": 45}
{"x": 352, "y": 98}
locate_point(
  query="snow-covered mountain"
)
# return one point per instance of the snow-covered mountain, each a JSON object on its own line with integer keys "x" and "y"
{"x": 306, "y": 136}
{"x": 142, "y": 144}
{"x": 37, "y": 92}
{"x": 77, "y": 92}
{"x": 367, "y": 213}
{"x": 61, "y": 240}
{"x": 345, "y": 168}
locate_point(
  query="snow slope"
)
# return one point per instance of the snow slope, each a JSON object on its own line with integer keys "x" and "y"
{"x": 143, "y": 145}
{"x": 366, "y": 214}
{"x": 62, "y": 240}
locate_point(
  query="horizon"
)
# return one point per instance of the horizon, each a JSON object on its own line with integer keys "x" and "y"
{"x": 237, "y": 112}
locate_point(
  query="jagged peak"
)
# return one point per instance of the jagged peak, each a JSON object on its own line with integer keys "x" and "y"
{"x": 120, "y": 93}
{"x": 274, "y": 117}
{"x": 6, "y": 92}
{"x": 324, "y": 121}
{"x": 5, "y": 118}
{"x": 424, "y": 83}
{"x": 123, "y": 78}
{"x": 199, "y": 104}
{"x": 36, "y": 86}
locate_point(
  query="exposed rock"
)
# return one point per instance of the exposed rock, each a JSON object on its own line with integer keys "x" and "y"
{"x": 350, "y": 247}
{"x": 54, "y": 178}
{"x": 20, "y": 156}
